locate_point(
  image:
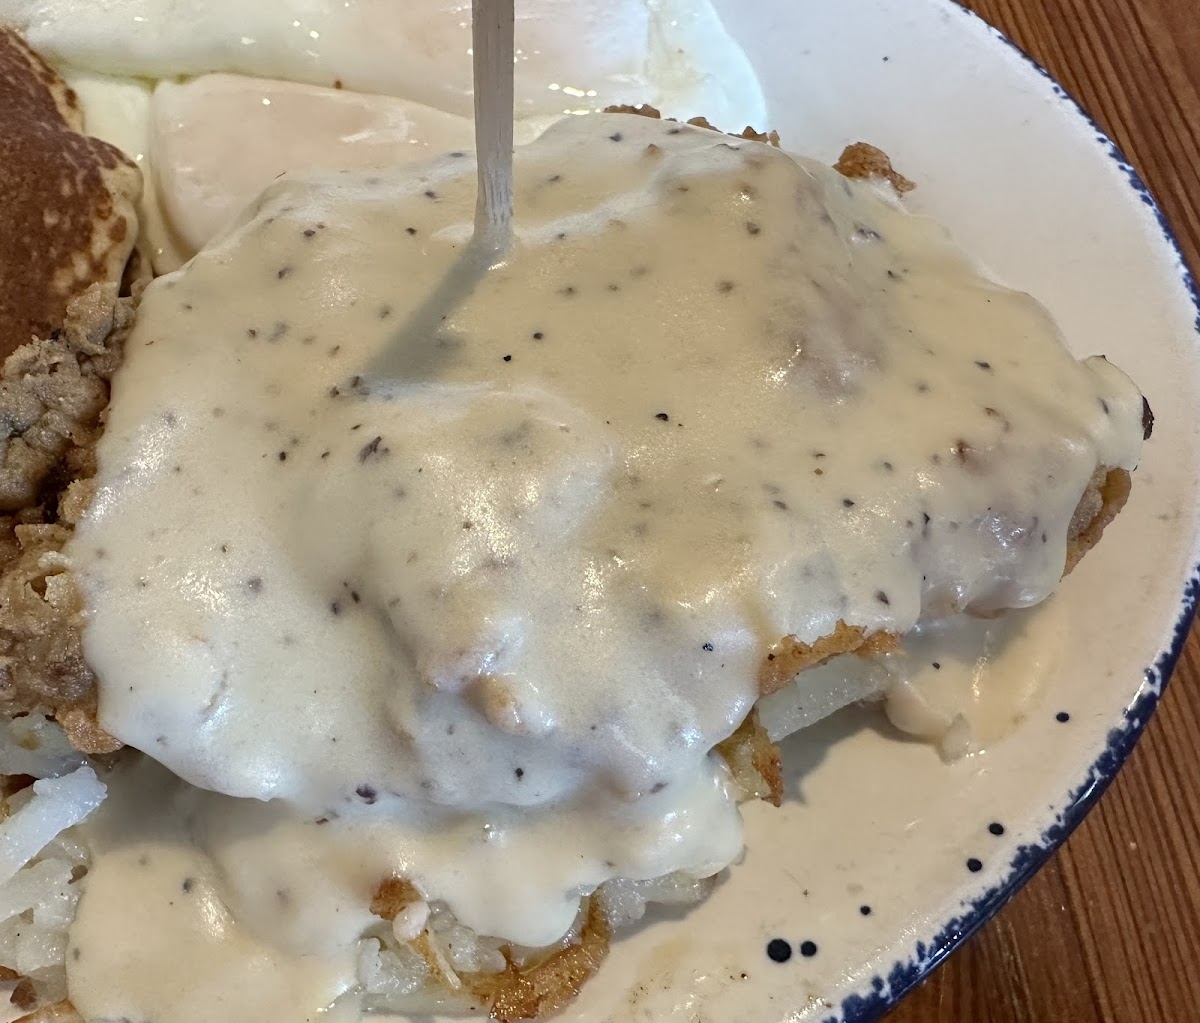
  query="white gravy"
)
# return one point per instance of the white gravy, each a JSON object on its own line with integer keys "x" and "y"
{"x": 479, "y": 576}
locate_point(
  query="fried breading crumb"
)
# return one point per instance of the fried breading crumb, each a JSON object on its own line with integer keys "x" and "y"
{"x": 862, "y": 160}
{"x": 645, "y": 110}
{"x": 393, "y": 895}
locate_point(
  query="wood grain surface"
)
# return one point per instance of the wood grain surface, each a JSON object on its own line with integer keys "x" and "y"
{"x": 1109, "y": 930}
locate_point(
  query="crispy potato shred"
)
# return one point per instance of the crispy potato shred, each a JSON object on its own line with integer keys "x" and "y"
{"x": 755, "y": 761}
{"x": 394, "y": 895}
{"x": 23, "y": 995}
{"x": 59, "y": 1012}
{"x": 536, "y": 990}
{"x": 528, "y": 988}
{"x": 1103, "y": 499}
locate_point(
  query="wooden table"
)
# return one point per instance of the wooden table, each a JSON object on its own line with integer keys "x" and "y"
{"x": 1109, "y": 930}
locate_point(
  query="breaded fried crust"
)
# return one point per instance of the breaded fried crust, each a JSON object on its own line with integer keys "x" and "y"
{"x": 1105, "y": 496}
{"x": 536, "y": 991}
{"x": 790, "y": 656}
{"x": 68, "y": 200}
{"x": 755, "y": 761}
{"x": 52, "y": 394}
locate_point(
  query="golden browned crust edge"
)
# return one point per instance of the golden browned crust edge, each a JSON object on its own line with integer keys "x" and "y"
{"x": 755, "y": 761}
{"x": 59, "y": 1012}
{"x": 534, "y": 992}
{"x": 748, "y": 133}
{"x": 1111, "y": 488}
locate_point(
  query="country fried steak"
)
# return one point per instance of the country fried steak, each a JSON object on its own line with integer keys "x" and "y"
{"x": 53, "y": 392}
{"x": 63, "y": 327}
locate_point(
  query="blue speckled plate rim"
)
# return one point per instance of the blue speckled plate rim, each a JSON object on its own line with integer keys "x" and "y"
{"x": 886, "y": 992}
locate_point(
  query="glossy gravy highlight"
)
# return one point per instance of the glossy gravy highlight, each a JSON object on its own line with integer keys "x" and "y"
{"x": 480, "y": 576}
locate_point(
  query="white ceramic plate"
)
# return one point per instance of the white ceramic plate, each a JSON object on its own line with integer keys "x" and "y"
{"x": 1030, "y": 186}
